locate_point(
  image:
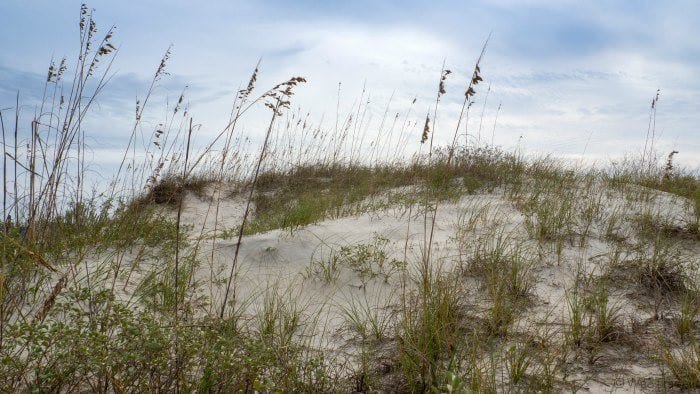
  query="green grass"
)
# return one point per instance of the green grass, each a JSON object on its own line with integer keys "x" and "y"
{"x": 309, "y": 194}
{"x": 429, "y": 330}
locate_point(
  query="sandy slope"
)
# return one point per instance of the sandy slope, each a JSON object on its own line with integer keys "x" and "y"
{"x": 282, "y": 261}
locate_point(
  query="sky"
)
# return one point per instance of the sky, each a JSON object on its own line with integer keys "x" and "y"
{"x": 573, "y": 79}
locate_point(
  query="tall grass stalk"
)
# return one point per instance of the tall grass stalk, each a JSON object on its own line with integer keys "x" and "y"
{"x": 232, "y": 274}
{"x": 279, "y": 97}
{"x": 5, "y": 228}
{"x": 468, "y": 94}
{"x": 177, "y": 266}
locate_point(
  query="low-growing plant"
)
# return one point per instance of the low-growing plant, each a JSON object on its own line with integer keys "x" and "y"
{"x": 683, "y": 364}
{"x": 550, "y": 219}
{"x": 593, "y": 319}
{"x": 370, "y": 260}
{"x": 689, "y": 309}
{"x": 477, "y": 220}
{"x": 653, "y": 224}
{"x": 576, "y": 332}
{"x": 170, "y": 190}
{"x": 590, "y": 211}
{"x": 606, "y": 316}
{"x": 662, "y": 269}
{"x": 615, "y": 227}
{"x": 371, "y": 319}
{"x": 504, "y": 267}
{"x": 278, "y": 319}
{"x": 453, "y": 384}
{"x": 429, "y": 329}
{"x": 502, "y": 310}
{"x": 517, "y": 360}
{"x": 326, "y": 268}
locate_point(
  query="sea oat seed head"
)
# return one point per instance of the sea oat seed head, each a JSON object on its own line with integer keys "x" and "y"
{"x": 426, "y": 129}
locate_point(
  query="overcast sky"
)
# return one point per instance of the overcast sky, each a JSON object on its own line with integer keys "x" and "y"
{"x": 573, "y": 77}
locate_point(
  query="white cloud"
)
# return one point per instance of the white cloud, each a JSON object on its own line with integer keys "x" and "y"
{"x": 570, "y": 75}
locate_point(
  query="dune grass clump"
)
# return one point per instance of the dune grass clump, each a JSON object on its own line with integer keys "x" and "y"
{"x": 594, "y": 319}
{"x": 504, "y": 269}
{"x": 685, "y": 184}
{"x": 308, "y": 194}
{"x": 683, "y": 365}
{"x": 170, "y": 191}
{"x": 430, "y": 329}
{"x": 663, "y": 269}
{"x": 651, "y": 225}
